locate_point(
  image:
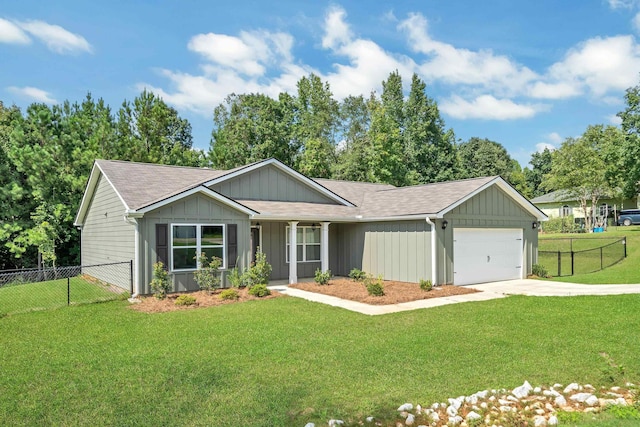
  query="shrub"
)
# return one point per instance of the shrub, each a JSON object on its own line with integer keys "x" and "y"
{"x": 185, "y": 300}
{"x": 160, "y": 284}
{"x": 258, "y": 273}
{"x": 322, "y": 278}
{"x": 426, "y": 285}
{"x": 208, "y": 276}
{"x": 229, "y": 294}
{"x": 235, "y": 278}
{"x": 259, "y": 290}
{"x": 539, "y": 270}
{"x": 374, "y": 286}
{"x": 561, "y": 225}
{"x": 357, "y": 275}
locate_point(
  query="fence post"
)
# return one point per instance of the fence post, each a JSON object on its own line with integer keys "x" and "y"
{"x": 68, "y": 291}
{"x": 572, "y": 254}
{"x": 131, "y": 275}
{"x": 624, "y": 243}
{"x": 559, "y": 263}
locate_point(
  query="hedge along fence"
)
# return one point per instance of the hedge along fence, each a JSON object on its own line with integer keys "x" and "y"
{"x": 42, "y": 289}
{"x": 577, "y": 260}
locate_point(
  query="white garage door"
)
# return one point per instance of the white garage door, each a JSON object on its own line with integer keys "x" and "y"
{"x": 483, "y": 255}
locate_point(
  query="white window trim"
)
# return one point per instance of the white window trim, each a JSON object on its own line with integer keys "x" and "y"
{"x": 199, "y": 244}
{"x": 304, "y": 244}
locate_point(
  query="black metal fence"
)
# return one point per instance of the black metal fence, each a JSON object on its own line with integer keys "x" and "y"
{"x": 42, "y": 289}
{"x": 568, "y": 263}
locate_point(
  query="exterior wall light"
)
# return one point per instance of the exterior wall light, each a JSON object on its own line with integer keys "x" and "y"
{"x": 444, "y": 224}
{"x": 535, "y": 225}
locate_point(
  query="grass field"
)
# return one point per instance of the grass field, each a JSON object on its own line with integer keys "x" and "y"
{"x": 287, "y": 361}
{"x": 51, "y": 294}
{"x": 626, "y": 271}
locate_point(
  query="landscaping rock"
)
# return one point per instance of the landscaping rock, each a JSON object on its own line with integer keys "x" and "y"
{"x": 471, "y": 416}
{"x": 571, "y": 387}
{"x": 333, "y": 423}
{"x": 406, "y": 407}
{"x": 560, "y": 401}
{"x": 552, "y": 421}
{"x": 410, "y": 420}
{"x": 309, "y": 425}
{"x": 591, "y": 400}
{"x": 522, "y": 391}
{"x": 580, "y": 397}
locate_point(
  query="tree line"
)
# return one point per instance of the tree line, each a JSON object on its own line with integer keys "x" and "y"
{"x": 46, "y": 152}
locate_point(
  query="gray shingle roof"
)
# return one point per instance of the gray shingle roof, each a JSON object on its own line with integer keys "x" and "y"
{"x": 142, "y": 184}
{"x": 554, "y": 196}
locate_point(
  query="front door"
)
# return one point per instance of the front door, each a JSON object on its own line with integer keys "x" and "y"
{"x": 255, "y": 242}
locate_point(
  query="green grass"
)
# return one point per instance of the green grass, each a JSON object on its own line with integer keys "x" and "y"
{"x": 288, "y": 361}
{"x": 626, "y": 271}
{"x": 51, "y": 294}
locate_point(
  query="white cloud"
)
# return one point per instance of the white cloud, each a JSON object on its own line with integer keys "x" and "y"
{"x": 559, "y": 90}
{"x": 56, "y": 38}
{"x": 337, "y": 31}
{"x": 453, "y": 65}
{"x": 541, "y": 146}
{"x": 11, "y": 33}
{"x": 600, "y": 65}
{"x": 623, "y": 4}
{"x": 33, "y": 93}
{"x": 636, "y": 22}
{"x": 614, "y": 120}
{"x": 555, "y": 138}
{"x": 488, "y": 107}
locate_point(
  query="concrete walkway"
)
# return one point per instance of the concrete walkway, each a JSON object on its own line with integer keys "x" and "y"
{"x": 489, "y": 291}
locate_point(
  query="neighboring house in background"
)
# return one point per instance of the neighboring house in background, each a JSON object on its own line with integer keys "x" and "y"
{"x": 459, "y": 232}
{"x": 560, "y": 203}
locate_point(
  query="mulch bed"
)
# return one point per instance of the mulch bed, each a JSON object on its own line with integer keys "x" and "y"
{"x": 394, "y": 292}
{"x": 203, "y": 299}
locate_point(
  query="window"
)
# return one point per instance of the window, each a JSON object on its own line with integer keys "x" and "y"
{"x": 188, "y": 240}
{"x": 308, "y": 244}
{"x": 565, "y": 211}
{"x": 604, "y": 210}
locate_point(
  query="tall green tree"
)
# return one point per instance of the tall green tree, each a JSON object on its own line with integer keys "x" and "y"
{"x": 355, "y": 149}
{"x": 316, "y": 126}
{"x": 387, "y": 163}
{"x": 150, "y": 131}
{"x": 430, "y": 150}
{"x": 630, "y": 153}
{"x": 578, "y": 167}
{"x": 540, "y": 166}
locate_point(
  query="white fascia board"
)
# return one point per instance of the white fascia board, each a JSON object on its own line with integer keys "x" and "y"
{"x": 295, "y": 174}
{"x": 92, "y": 183}
{"x": 506, "y": 187}
{"x": 352, "y": 219}
{"x": 199, "y": 189}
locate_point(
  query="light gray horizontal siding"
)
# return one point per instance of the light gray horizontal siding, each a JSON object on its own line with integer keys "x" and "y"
{"x": 196, "y": 209}
{"x": 270, "y": 183}
{"x": 106, "y": 237}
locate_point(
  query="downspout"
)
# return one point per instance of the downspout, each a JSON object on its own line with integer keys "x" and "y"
{"x": 434, "y": 275}
{"x": 136, "y": 253}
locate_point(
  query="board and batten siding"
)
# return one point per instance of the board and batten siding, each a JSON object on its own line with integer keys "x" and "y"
{"x": 106, "y": 237}
{"x": 270, "y": 183}
{"x": 195, "y": 209}
{"x": 399, "y": 250}
{"x": 491, "y": 208}
{"x": 274, "y": 247}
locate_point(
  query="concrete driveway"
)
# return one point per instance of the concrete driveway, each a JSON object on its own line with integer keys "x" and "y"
{"x": 491, "y": 290}
{"x": 545, "y": 288}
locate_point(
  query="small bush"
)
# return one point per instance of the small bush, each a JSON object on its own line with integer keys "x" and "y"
{"x": 235, "y": 278}
{"x": 426, "y": 285}
{"x": 259, "y": 290}
{"x": 160, "y": 284}
{"x": 539, "y": 270}
{"x": 229, "y": 294}
{"x": 185, "y": 300}
{"x": 258, "y": 273}
{"x": 357, "y": 275}
{"x": 374, "y": 286}
{"x": 565, "y": 224}
{"x": 322, "y": 278}
{"x": 208, "y": 276}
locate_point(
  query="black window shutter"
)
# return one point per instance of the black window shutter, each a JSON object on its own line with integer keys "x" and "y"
{"x": 232, "y": 245}
{"x": 162, "y": 244}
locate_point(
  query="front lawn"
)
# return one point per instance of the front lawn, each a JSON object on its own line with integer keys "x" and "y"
{"x": 626, "y": 271}
{"x": 288, "y": 361}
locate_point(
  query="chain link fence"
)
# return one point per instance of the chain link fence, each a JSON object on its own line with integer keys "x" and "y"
{"x": 567, "y": 263}
{"x": 43, "y": 289}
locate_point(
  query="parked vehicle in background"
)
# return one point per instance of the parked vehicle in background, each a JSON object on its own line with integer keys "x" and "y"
{"x": 629, "y": 216}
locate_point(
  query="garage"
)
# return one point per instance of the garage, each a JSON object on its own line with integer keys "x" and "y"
{"x": 483, "y": 255}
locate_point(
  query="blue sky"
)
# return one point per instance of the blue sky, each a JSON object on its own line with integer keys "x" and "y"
{"x": 524, "y": 74}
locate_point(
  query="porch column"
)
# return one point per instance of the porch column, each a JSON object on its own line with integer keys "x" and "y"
{"x": 324, "y": 247}
{"x": 293, "y": 252}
